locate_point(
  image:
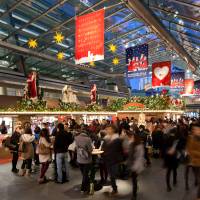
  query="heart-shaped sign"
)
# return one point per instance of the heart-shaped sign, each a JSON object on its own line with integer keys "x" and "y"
{"x": 161, "y": 72}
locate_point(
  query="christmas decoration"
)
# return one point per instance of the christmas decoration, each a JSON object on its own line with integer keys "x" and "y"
{"x": 161, "y": 74}
{"x": 32, "y": 43}
{"x": 93, "y": 94}
{"x": 140, "y": 104}
{"x": 92, "y": 64}
{"x": 115, "y": 61}
{"x": 60, "y": 55}
{"x": 89, "y": 37}
{"x": 137, "y": 60}
{"x": 112, "y": 48}
{"x": 58, "y": 37}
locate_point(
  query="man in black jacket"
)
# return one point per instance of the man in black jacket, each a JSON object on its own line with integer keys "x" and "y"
{"x": 113, "y": 154}
{"x": 14, "y": 146}
{"x": 62, "y": 142}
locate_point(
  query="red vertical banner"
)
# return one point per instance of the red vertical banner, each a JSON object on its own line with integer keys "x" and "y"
{"x": 89, "y": 44}
{"x": 189, "y": 87}
{"x": 161, "y": 74}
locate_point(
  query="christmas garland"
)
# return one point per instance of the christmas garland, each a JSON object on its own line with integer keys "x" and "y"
{"x": 157, "y": 102}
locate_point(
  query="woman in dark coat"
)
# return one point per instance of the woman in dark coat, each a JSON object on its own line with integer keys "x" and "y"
{"x": 14, "y": 147}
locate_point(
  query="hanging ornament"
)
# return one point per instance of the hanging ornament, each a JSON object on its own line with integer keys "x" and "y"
{"x": 60, "y": 55}
{"x": 58, "y": 37}
{"x": 112, "y": 48}
{"x": 92, "y": 64}
{"x": 32, "y": 43}
{"x": 115, "y": 61}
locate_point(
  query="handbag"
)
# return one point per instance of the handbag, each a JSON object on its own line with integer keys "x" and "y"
{"x": 42, "y": 149}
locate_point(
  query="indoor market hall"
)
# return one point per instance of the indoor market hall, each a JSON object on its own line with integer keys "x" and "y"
{"x": 100, "y": 99}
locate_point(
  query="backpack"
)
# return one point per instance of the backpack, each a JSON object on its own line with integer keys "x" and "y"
{"x": 82, "y": 152}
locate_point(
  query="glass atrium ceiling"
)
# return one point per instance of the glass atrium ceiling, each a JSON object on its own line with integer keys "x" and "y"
{"x": 24, "y": 19}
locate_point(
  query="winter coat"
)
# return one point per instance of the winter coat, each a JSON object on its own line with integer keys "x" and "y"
{"x": 113, "y": 150}
{"x": 136, "y": 160}
{"x": 44, "y": 157}
{"x": 193, "y": 149}
{"x": 14, "y": 141}
{"x": 84, "y": 145}
{"x": 171, "y": 144}
{"x": 157, "y": 139}
{"x": 62, "y": 142}
{"x": 27, "y": 140}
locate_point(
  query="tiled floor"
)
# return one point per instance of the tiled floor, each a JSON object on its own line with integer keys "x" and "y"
{"x": 151, "y": 187}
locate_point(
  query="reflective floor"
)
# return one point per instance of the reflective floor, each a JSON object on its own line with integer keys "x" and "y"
{"x": 151, "y": 187}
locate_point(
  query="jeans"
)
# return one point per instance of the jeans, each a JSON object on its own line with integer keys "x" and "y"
{"x": 62, "y": 162}
{"x": 112, "y": 171}
{"x": 103, "y": 172}
{"x": 85, "y": 170}
{"x": 14, "y": 160}
{"x": 26, "y": 164}
{"x": 134, "y": 185}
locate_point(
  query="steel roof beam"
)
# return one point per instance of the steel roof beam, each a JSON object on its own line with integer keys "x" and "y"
{"x": 50, "y": 44}
{"x": 178, "y": 15}
{"x": 61, "y": 2}
{"x": 176, "y": 23}
{"x": 25, "y": 51}
{"x": 186, "y": 4}
{"x": 138, "y": 7}
{"x": 183, "y": 33}
{"x": 13, "y": 7}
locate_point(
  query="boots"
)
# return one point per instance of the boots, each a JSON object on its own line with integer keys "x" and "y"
{"x": 22, "y": 172}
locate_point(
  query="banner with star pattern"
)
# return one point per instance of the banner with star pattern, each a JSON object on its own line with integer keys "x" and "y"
{"x": 89, "y": 44}
{"x": 137, "y": 61}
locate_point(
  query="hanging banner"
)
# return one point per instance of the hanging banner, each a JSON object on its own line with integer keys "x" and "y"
{"x": 177, "y": 80}
{"x": 189, "y": 87}
{"x": 161, "y": 74}
{"x": 137, "y": 61}
{"x": 89, "y": 44}
{"x": 196, "y": 90}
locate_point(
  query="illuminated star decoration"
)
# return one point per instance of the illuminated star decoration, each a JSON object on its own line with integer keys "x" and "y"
{"x": 92, "y": 64}
{"x": 112, "y": 48}
{"x": 58, "y": 37}
{"x": 32, "y": 43}
{"x": 60, "y": 55}
{"x": 115, "y": 61}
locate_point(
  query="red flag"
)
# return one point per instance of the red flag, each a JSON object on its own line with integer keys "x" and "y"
{"x": 89, "y": 44}
{"x": 161, "y": 74}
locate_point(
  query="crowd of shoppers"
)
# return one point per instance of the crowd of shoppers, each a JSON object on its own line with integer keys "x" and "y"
{"x": 126, "y": 149}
